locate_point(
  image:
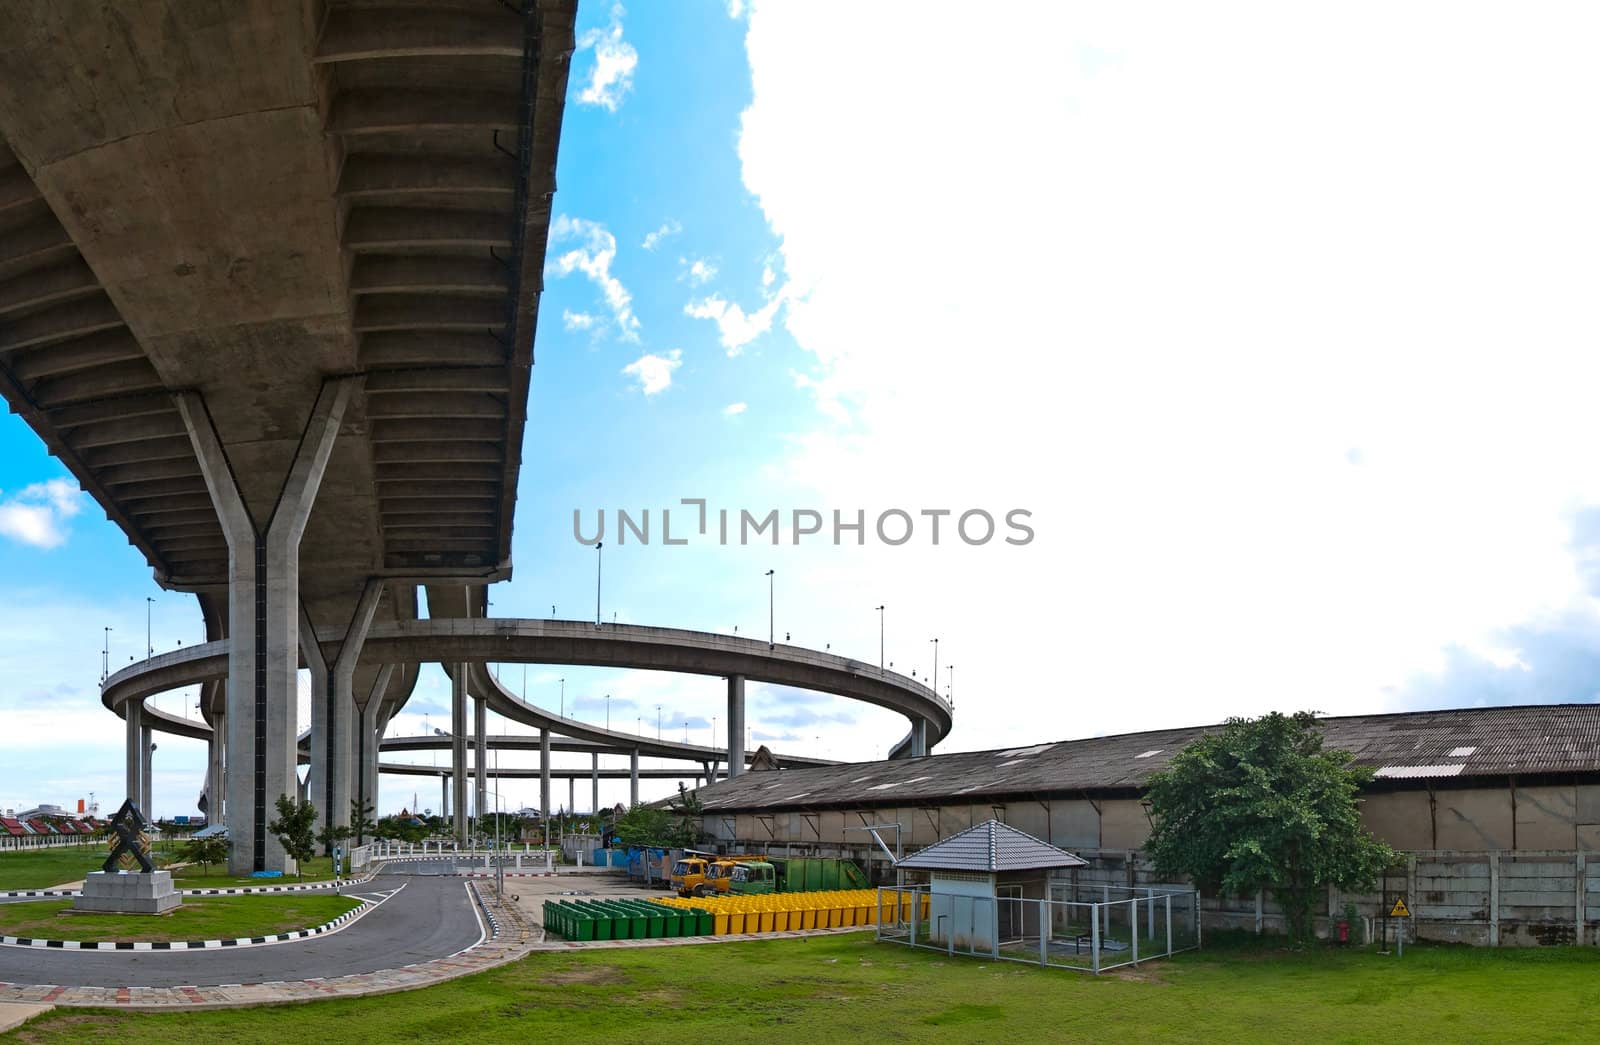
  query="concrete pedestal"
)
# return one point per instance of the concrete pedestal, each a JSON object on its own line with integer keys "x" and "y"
{"x": 127, "y": 892}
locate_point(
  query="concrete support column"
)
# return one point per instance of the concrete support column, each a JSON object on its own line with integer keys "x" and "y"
{"x": 572, "y": 795}
{"x": 480, "y": 760}
{"x": 919, "y": 738}
{"x": 263, "y": 610}
{"x": 333, "y": 711}
{"x": 594, "y": 782}
{"x": 444, "y": 795}
{"x": 134, "y": 711}
{"x": 369, "y": 737}
{"x": 146, "y": 754}
{"x": 458, "y": 750}
{"x": 735, "y": 726}
{"x": 544, "y": 773}
{"x": 217, "y": 760}
{"x": 633, "y": 778}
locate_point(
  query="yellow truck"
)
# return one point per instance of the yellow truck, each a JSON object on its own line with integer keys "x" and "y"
{"x": 704, "y": 874}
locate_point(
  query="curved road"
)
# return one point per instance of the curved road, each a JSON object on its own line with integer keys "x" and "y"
{"x": 431, "y": 917}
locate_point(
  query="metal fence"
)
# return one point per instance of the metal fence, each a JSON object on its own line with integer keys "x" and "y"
{"x": 1088, "y": 928}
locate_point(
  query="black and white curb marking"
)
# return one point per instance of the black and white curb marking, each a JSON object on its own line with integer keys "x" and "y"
{"x": 234, "y": 891}
{"x": 488, "y": 912}
{"x": 341, "y": 922}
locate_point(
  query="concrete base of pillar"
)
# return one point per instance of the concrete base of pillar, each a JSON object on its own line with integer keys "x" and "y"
{"x": 127, "y": 892}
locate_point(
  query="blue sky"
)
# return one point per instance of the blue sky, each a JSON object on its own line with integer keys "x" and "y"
{"x": 1276, "y": 324}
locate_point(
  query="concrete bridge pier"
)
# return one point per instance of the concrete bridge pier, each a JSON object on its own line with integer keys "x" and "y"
{"x": 919, "y": 738}
{"x": 480, "y": 758}
{"x": 735, "y": 725}
{"x": 572, "y": 795}
{"x": 458, "y": 751}
{"x": 594, "y": 782}
{"x": 132, "y": 753}
{"x": 369, "y": 737}
{"x": 333, "y": 711}
{"x": 263, "y": 606}
{"x": 216, "y": 761}
{"x": 633, "y": 778}
{"x": 444, "y": 796}
{"x": 544, "y": 773}
{"x": 146, "y": 755}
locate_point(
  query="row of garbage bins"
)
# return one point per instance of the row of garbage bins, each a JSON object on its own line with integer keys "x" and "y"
{"x": 627, "y": 919}
{"x": 623, "y": 920}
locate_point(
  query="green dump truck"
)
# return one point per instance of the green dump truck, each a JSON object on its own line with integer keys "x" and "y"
{"x": 795, "y": 874}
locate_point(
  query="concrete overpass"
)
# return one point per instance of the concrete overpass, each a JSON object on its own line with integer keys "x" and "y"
{"x": 254, "y": 251}
{"x": 269, "y": 281}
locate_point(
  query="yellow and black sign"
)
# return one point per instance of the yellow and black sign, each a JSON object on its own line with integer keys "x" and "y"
{"x": 1400, "y": 910}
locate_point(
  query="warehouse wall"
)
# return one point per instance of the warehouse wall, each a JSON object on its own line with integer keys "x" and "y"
{"x": 1507, "y": 818}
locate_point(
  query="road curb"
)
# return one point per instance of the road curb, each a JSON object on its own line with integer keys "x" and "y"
{"x": 192, "y": 945}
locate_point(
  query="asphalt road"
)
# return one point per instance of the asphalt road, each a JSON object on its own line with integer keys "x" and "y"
{"x": 430, "y": 917}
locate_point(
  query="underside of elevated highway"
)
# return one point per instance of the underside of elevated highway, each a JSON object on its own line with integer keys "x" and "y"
{"x": 269, "y": 282}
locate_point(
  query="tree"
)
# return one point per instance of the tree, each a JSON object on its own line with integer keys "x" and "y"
{"x": 206, "y": 851}
{"x": 361, "y": 821}
{"x": 293, "y": 830}
{"x": 1260, "y": 805}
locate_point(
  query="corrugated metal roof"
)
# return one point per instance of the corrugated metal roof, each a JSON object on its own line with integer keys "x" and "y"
{"x": 993, "y": 847}
{"x": 1522, "y": 739}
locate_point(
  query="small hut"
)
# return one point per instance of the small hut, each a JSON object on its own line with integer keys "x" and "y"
{"x": 984, "y": 883}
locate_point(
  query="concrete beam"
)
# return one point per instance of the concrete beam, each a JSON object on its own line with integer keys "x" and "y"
{"x": 458, "y": 749}
{"x": 378, "y": 111}
{"x": 433, "y": 430}
{"x": 380, "y": 177}
{"x": 392, "y": 229}
{"x": 106, "y": 344}
{"x": 352, "y": 34}
{"x": 435, "y": 405}
{"x": 380, "y": 276}
{"x": 380, "y": 351}
{"x": 440, "y": 379}
{"x": 68, "y": 282}
{"x": 114, "y": 379}
{"x": 121, "y": 430}
{"x": 60, "y": 322}
{"x": 172, "y": 448}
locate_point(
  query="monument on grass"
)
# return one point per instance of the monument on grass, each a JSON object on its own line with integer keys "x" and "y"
{"x": 119, "y": 889}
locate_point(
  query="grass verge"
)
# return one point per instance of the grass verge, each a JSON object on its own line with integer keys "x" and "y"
{"x": 848, "y": 988}
{"x": 204, "y": 918}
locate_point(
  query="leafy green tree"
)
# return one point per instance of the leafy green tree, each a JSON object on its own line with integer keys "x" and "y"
{"x": 293, "y": 830}
{"x": 1261, "y": 804}
{"x": 206, "y": 851}
{"x": 361, "y": 822}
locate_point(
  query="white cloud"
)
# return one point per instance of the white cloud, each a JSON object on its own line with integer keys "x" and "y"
{"x": 37, "y": 514}
{"x": 736, "y": 328}
{"x": 611, "y": 78}
{"x": 653, "y": 239}
{"x": 653, "y": 372}
{"x": 735, "y": 8}
{"x": 700, "y": 271}
{"x": 1199, "y": 262}
{"x": 593, "y": 257}
{"x": 734, "y": 409}
{"x": 577, "y": 320}
{"x": 767, "y": 275}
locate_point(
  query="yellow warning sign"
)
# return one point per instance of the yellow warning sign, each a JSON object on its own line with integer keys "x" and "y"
{"x": 1400, "y": 910}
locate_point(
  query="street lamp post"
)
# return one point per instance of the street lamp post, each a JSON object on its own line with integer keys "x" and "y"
{"x": 658, "y": 721}
{"x": 772, "y": 631}
{"x": 950, "y": 686}
{"x": 608, "y": 712}
{"x": 598, "y": 555}
{"x": 149, "y": 649}
{"x": 880, "y": 638}
{"x": 935, "y": 666}
{"x": 563, "y": 698}
{"x": 105, "y": 657}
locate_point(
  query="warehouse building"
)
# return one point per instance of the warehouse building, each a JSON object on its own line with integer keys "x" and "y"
{"x": 1473, "y": 796}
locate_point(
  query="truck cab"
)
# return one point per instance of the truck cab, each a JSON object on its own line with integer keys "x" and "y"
{"x": 688, "y": 873}
{"x": 756, "y": 878}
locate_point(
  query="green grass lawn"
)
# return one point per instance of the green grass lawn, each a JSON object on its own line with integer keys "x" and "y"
{"x": 206, "y": 918}
{"x": 847, "y": 988}
{"x": 43, "y": 868}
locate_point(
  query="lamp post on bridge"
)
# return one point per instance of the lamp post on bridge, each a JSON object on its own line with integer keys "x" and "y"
{"x": 772, "y": 630}
{"x": 149, "y": 648}
{"x": 597, "y": 559}
{"x": 880, "y": 638}
{"x": 935, "y": 666}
